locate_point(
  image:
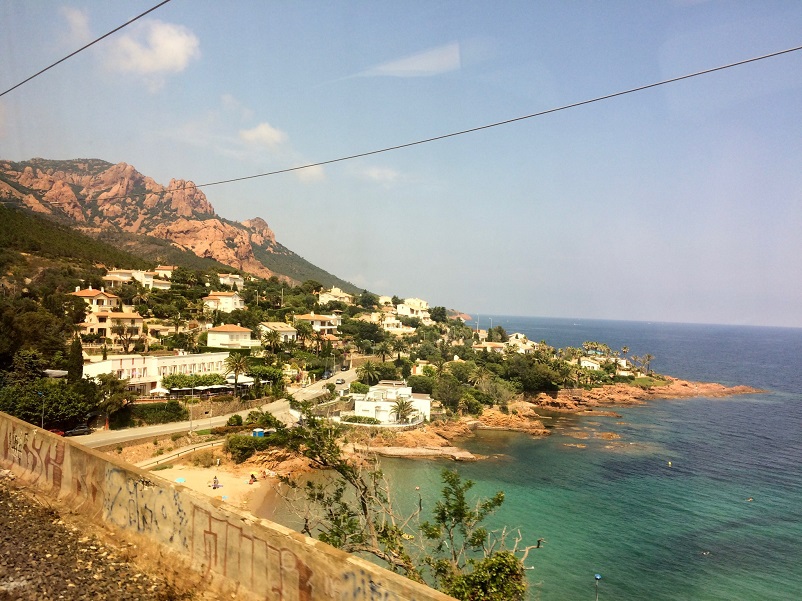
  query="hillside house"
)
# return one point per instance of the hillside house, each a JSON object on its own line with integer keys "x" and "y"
{"x": 231, "y": 279}
{"x": 326, "y": 324}
{"x": 101, "y": 323}
{"x": 415, "y": 307}
{"x": 98, "y": 300}
{"x": 285, "y": 331}
{"x": 490, "y": 347}
{"x": 230, "y": 336}
{"x": 225, "y": 302}
{"x": 380, "y": 400}
{"x": 145, "y": 372}
{"x": 335, "y": 295}
{"x": 165, "y": 272}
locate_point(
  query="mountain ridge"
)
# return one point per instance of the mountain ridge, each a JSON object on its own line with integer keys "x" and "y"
{"x": 97, "y": 197}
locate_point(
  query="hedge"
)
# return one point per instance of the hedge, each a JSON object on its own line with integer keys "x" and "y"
{"x": 149, "y": 413}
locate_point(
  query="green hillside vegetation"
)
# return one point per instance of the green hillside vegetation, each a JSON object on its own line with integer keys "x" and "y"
{"x": 25, "y": 232}
{"x": 285, "y": 262}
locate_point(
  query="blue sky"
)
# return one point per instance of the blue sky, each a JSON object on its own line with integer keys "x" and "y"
{"x": 681, "y": 203}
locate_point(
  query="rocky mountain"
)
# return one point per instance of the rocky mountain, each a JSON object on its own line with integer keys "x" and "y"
{"x": 98, "y": 197}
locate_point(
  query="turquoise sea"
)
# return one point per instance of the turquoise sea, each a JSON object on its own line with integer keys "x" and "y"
{"x": 723, "y": 521}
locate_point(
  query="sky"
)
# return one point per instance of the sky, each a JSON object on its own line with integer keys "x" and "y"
{"x": 681, "y": 203}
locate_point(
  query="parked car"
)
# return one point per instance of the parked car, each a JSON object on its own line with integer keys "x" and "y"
{"x": 339, "y": 381}
{"x": 326, "y": 375}
{"x": 56, "y": 431}
{"x": 344, "y": 368}
{"x": 79, "y": 431}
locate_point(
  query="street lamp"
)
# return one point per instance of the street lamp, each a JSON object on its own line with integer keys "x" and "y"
{"x": 597, "y": 577}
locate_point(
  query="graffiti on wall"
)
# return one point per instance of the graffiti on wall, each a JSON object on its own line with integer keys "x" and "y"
{"x": 360, "y": 586}
{"x": 132, "y": 502}
{"x": 238, "y": 554}
{"x": 42, "y": 457}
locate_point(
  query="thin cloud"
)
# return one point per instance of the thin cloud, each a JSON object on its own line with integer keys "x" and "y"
{"x": 78, "y": 30}
{"x": 311, "y": 174}
{"x": 435, "y": 61}
{"x": 263, "y": 134}
{"x": 154, "y": 49}
{"x": 383, "y": 175}
{"x": 232, "y": 105}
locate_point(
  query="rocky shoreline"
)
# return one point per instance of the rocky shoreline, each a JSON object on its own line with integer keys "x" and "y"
{"x": 441, "y": 439}
{"x": 437, "y": 440}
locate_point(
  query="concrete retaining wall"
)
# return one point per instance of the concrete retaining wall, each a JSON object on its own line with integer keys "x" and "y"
{"x": 230, "y": 550}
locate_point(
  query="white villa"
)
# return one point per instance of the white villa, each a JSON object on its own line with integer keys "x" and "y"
{"x": 165, "y": 271}
{"x": 393, "y": 325}
{"x": 490, "y": 347}
{"x": 145, "y": 373}
{"x": 148, "y": 279}
{"x": 225, "y": 302}
{"x": 102, "y": 322}
{"x": 285, "y": 330}
{"x": 380, "y": 399}
{"x": 327, "y": 324}
{"x": 231, "y": 279}
{"x": 415, "y": 307}
{"x": 98, "y": 300}
{"x": 231, "y": 337}
{"x": 521, "y": 344}
{"x": 335, "y": 295}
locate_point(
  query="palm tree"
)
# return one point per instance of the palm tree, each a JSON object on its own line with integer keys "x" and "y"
{"x": 481, "y": 378}
{"x": 647, "y": 359}
{"x": 272, "y": 339}
{"x": 402, "y": 409}
{"x": 176, "y": 321}
{"x": 304, "y": 329}
{"x": 383, "y": 349}
{"x": 368, "y": 372}
{"x": 237, "y": 364}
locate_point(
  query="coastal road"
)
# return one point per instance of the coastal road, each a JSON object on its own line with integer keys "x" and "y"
{"x": 102, "y": 438}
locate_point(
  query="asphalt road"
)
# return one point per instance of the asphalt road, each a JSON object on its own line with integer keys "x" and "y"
{"x": 101, "y": 438}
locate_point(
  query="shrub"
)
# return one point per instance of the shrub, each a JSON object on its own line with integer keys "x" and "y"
{"x": 359, "y": 388}
{"x": 153, "y": 413}
{"x": 177, "y": 436}
{"x": 226, "y": 430}
{"x": 242, "y": 447}
{"x": 234, "y": 420}
{"x": 360, "y": 419}
{"x": 203, "y": 459}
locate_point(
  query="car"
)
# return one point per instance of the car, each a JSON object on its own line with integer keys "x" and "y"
{"x": 344, "y": 368}
{"x": 79, "y": 431}
{"x": 339, "y": 381}
{"x": 56, "y": 431}
{"x": 326, "y": 375}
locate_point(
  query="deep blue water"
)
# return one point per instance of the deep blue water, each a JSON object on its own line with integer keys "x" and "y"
{"x": 656, "y": 531}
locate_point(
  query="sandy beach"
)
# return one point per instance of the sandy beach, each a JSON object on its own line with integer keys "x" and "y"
{"x": 234, "y": 482}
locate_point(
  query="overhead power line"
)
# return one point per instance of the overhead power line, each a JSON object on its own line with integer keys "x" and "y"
{"x": 499, "y": 123}
{"x": 92, "y": 43}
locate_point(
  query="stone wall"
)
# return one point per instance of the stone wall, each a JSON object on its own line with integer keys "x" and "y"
{"x": 232, "y": 552}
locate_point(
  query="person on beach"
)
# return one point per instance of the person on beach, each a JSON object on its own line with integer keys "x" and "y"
{"x": 253, "y": 479}
{"x": 215, "y": 483}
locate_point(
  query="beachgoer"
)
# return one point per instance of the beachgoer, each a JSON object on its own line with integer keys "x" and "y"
{"x": 215, "y": 483}
{"x": 253, "y": 479}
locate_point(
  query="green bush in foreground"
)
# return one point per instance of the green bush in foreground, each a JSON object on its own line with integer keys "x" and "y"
{"x": 360, "y": 419}
{"x": 243, "y": 447}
